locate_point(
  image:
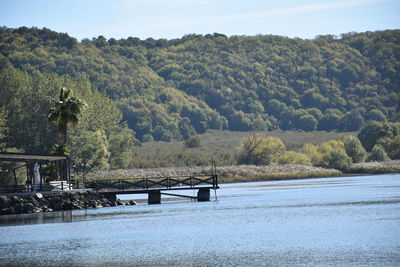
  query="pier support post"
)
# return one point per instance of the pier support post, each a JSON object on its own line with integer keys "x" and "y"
{"x": 203, "y": 194}
{"x": 154, "y": 197}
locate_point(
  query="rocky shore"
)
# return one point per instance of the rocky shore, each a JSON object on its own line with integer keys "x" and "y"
{"x": 56, "y": 201}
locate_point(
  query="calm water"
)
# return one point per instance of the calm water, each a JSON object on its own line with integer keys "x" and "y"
{"x": 349, "y": 221}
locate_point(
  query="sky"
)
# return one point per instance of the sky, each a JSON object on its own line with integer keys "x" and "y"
{"x": 171, "y": 19}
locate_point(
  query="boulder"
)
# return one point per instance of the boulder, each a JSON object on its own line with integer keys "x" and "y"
{"x": 111, "y": 197}
{"x": 76, "y": 206}
{"x": 38, "y": 210}
{"x": 19, "y": 208}
{"x": 16, "y": 200}
{"x": 32, "y": 200}
{"x": 4, "y": 202}
{"x": 5, "y": 211}
{"x": 67, "y": 204}
{"x": 44, "y": 201}
{"x": 28, "y": 207}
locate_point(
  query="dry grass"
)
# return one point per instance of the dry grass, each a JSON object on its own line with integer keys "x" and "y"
{"x": 391, "y": 166}
{"x": 222, "y": 145}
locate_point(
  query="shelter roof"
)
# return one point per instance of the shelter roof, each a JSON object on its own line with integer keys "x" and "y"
{"x": 22, "y": 157}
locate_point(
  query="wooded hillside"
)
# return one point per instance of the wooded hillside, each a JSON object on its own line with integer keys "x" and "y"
{"x": 173, "y": 89}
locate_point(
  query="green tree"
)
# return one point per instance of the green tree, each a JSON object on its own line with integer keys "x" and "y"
{"x": 193, "y": 142}
{"x": 354, "y": 149}
{"x": 3, "y": 130}
{"x": 312, "y": 151}
{"x": 373, "y": 131}
{"x": 120, "y": 145}
{"x": 66, "y": 111}
{"x": 376, "y": 115}
{"x": 333, "y": 155}
{"x": 339, "y": 160}
{"x": 391, "y": 146}
{"x": 378, "y": 153}
{"x": 89, "y": 151}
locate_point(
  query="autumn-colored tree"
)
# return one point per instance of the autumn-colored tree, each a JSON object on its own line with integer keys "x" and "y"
{"x": 258, "y": 150}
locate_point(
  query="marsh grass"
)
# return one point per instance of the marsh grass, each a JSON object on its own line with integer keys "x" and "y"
{"x": 220, "y": 145}
{"x": 375, "y": 167}
{"x": 173, "y": 159}
{"x": 241, "y": 173}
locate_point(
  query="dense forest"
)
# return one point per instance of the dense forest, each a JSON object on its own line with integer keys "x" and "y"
{"x": 144, "y": 90}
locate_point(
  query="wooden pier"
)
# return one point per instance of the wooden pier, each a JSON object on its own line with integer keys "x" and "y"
{"x": 155, "y": 187}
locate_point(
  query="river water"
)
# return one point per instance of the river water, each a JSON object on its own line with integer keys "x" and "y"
{"x": 344, "y": 221}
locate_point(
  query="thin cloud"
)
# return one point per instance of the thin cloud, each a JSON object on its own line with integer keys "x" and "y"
{"x": 273, "y": 12}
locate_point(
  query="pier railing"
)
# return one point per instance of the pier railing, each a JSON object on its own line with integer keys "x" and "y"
{"x": 146, "y": 184}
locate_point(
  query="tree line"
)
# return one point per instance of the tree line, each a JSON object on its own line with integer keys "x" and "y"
{"x": 100, "y": 142}
{"x": 173, "y": 89}
{"x": 374, "y": 142}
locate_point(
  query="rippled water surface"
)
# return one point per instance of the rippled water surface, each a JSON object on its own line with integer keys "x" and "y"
{"x": 346, "y": 221}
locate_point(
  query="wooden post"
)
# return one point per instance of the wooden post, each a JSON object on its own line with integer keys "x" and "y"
{"x": 203, "y": 194}
{"x": 154, "y": 197}
{"x": 69, "y": 173}
{"x": 15, "y": 177}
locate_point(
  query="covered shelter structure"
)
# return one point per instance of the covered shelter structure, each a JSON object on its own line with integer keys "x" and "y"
{"x": 35, "y": 178}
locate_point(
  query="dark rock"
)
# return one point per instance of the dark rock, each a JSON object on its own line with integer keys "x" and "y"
{"x": 5, "y": 211}
{"x": 56, "y": 205}
{"x": 12, "y": 210}
{"x": 55, "y": 200}
{"x": 104, "y": 201}
{"x": 67, "y": 204}
{"x": 19, "y": 208}
{"x": 44, "y": 201}
{"x": 76, "y": 206}
{"x": 120, "y": 203}
{"x": 132, "y": 202}
{"x": 111, "y": 197}
{"x": 4, "y": 202}
{"x": 31, "y": 200}
{"x": 29, "y": 207}
{"x": 15, "y": 200}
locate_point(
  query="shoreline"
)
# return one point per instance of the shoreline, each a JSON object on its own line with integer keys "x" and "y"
{"x": 40, "y": 202}
{"x": 245, "y": 173}
{"x": 22, "y": 203}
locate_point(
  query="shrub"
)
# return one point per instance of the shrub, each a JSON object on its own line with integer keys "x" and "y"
{"x": 193, "y": 142}
{"x": 291, "y": 157}
{"x": 313, "y": 153}
{"x": 391, "y": 146}
{"x": 330, "y": 154}
{"x": 378, "y": 154}
{"x": 354, "y": 149}
{"x": 339, "y": 160}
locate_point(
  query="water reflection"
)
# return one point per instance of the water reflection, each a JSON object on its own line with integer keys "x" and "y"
{"x": 71, "y": 216}
{"x": 36, "y": 218}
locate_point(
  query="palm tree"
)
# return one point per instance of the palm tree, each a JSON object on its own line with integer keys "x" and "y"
{"x": 66, "y": 110}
